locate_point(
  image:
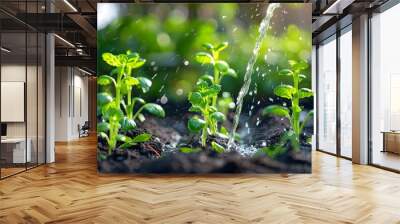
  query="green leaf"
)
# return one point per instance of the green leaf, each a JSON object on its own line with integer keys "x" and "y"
{"x": 131, "y": 81}
{"x": 103, "y": 99}
{"x": 286, "y": 72}
{"x": 276, "y": 110}
{"x": 222, "y": 66}
{"x": 105, "y": 80}
{"x": 189, "y": 150}
{"x": 145, "y": 84}
{"x": 103, "y": 127}
{"x": 213, "y": 90}
{"x": 217, "y": 147}
{"x": 305, "y": 92}
{"x": 122, "y": 138}
{"x": 141, "y": 117}
{"x": 208, "y": 78}
{"x": 302, "y": 76}
{"x": 139, "y": 100}
{"x": 154, "y": 109}
{"x": 141, "y": 138}
{"x": 212, "y": 109}
{"x": 137, "y": 63}
{"x": 223, "y": 130}
{"x": 204, "y": 58}
{"x": 128, "y": 124}
{"x": 197, "y": 109}
{"x": 123, "y": 59}
{"x": 103, "y": 135}
{"x": 113, "y": 113}
{"x": 300, "y": 66}
{"x": 111, "y": 59}
{"x": 195, "y": 124}
{"x": 195, "y": 98}
{"x": 221, "y": 46}
{"x": 284, "y": 91}
{"x": 207, "y": 46}
{"x": 218, "y": 116}
{"x": 132, "y": 56}
{"x": 231, "y": 72}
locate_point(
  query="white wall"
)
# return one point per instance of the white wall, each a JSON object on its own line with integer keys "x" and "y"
{"x": 71, "y": 94}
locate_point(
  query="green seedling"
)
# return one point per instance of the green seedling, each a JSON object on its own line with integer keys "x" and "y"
{"x": 205, "y": 97}
{"x": 293, "y": 93}
{"x": 118, "y": 112}
{"x": 221, "y": 68}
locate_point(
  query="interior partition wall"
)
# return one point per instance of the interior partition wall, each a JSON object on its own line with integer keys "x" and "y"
{"x": 22, "y": 77}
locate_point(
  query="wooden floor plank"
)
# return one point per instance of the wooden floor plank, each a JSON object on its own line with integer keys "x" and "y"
{"x": 71, "y": 191}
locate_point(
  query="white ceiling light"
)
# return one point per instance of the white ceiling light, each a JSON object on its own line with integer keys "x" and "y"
{"x": 337, "y": 7}
{"x": 64, "y": 40}
{"x": 70, "y": 5}
{"x": 84, "y": 71}
{"x": 5, "y": 50}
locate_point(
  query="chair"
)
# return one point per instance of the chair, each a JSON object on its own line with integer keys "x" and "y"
{"x": 84, "y": 130}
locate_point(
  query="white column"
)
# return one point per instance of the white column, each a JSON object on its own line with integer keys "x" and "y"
{"x": 360, "y": 90}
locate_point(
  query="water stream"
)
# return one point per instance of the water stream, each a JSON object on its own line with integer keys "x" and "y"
{"x": 265, "y": 23}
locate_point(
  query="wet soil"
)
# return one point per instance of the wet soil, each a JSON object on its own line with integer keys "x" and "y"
{"x": 161, "y": 154}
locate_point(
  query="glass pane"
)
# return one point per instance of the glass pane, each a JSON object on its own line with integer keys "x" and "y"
{"x": 41, "y": 99}
{"x": 13, "y": 86}
{"x": 32, "y": 96}
{"x": 385, "y": 84}
{"x": 327, "y": 96}
{"x": 346, "y": 94}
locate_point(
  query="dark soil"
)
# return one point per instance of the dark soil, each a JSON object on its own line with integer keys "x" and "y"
{"x": 161, "y": 155}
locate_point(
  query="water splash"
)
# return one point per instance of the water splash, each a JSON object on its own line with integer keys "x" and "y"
{"x": 265, "y": 23}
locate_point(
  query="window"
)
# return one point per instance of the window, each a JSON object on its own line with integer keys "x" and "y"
{"x": 346, "y": 93}
{"x": 385, "y": 89}
{"x": 327, "y": 96}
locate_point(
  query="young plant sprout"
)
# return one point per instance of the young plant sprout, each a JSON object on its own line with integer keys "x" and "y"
{"x": 205, "y": 97}
{"x": 118, "y": 112}
{"x": 293, "y": 93}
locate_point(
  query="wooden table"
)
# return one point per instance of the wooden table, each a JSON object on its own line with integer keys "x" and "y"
{"x": 391, "y": 141}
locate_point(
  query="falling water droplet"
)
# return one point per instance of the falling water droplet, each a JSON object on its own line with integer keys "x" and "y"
{"x": 164, "y": 99}
{"x": 179, "y": 92}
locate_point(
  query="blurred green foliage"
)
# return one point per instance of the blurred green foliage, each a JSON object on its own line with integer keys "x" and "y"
{"x": 169, "y": 35}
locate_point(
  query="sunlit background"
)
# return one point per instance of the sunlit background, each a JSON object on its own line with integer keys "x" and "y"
{"x": 169, "y": 36}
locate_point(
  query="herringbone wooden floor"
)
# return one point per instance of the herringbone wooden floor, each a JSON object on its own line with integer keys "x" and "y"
{"x": 71, "y": 191}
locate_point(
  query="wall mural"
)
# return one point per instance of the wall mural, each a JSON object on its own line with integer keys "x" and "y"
{"x": 204, "y": 88}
